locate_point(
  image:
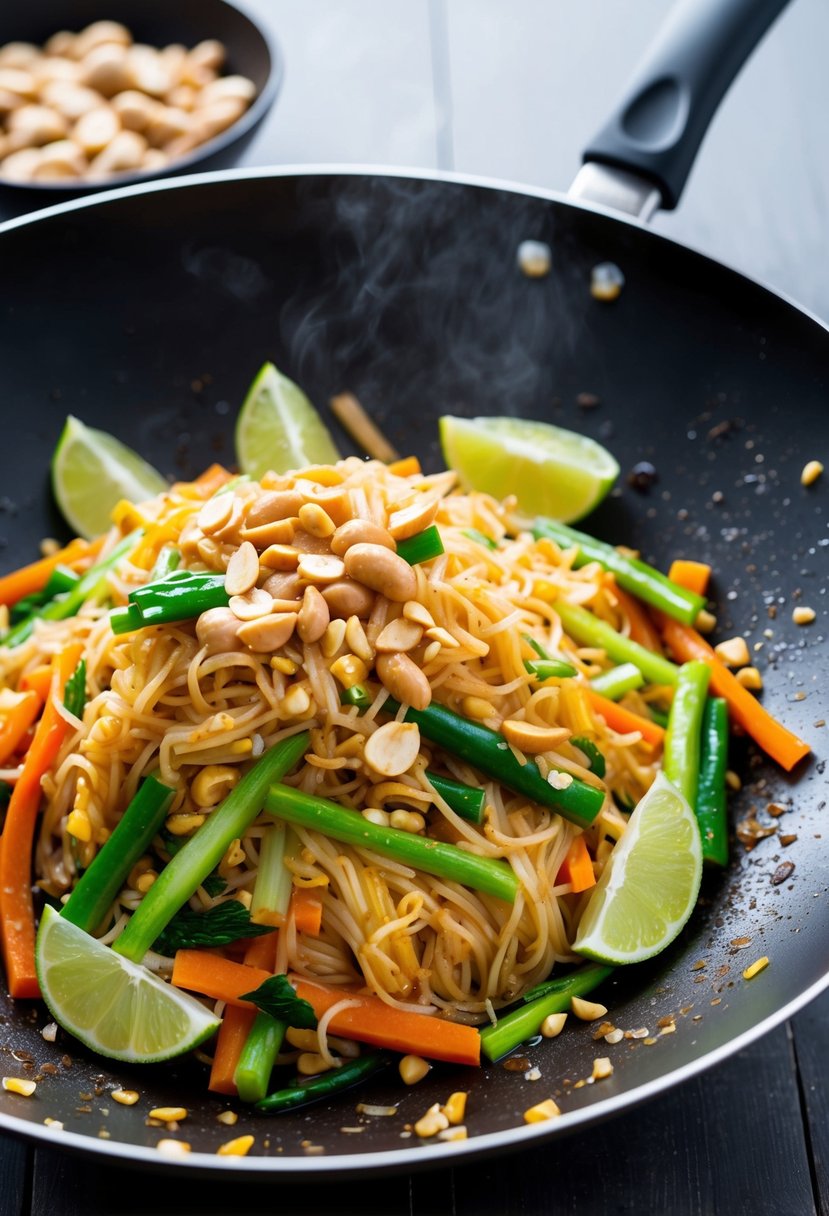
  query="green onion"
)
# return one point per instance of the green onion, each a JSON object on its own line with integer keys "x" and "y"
{"x": 615, "y": 683}
{"x": 595, "y": 759}
{"x": 634, "y": 575}
{"x": 167, "y": 561}
{"x": 534, "y": 645}
{"x": 179, "y": 596}
{"x": 93, "y": 896}
{"x": 422, "y": 547}
{"x": 61, "y": 580}
{"x": 357, "y": 695}
{"x": 546, "y": 669}
{"x": 512, "y": 1029}
{"x": 680, "y": 758}
{"x": 588, "y": 630}
{"x": 488, "y": 750}
{"x": 658, "y": 716}
{"x": 480, "y": 538}
{"x": 710, "y": 804}
{"x": 465, "y": 800}
{"x": 262, "y": 1046}
{"x": 199, "y": 857}
{"x": 316, "y": 1088}
{"x": 74, "y": 692}
{"x": 432, "y": 856}
{"x": 274, "y": 881}
{"x": 90, "y": 586}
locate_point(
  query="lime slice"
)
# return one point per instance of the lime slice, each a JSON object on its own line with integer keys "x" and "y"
{"x": 279, "y": 429}
{"x": 550, "y": 471}
{"x": 115, "y": 1007}
{"x": 649, "y": 886}
{"x": 92, "y": 471}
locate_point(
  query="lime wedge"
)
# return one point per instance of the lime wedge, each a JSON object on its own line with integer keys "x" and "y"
{"x": 92, "y": 471}
{"x": 550, "y": 471}
{"x": 115, "y": 1007}
{"x": 278, "y": 428}
{"x": 649, "y": 886}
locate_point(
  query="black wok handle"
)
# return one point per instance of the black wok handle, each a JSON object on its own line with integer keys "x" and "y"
{"x": 656, "y": 130}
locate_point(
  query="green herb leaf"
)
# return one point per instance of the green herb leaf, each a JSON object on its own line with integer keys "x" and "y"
{"x": 74, "y": 693}
{"x": 189, "y": 930}
{"x": 595, "y": 759}
{"x": 214, "y": 884}
{"x": 277, "y": 997}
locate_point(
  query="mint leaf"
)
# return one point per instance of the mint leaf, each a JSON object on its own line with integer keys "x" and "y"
{"x": 276, "y": 996}
{"x": 189, "y": 930}
{"x": 74, "y": 691}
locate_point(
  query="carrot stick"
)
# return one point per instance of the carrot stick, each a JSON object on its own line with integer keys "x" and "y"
{"x": 23, "y": 708}
{"x": 207, "y": 483}
{"x": 642, "y": 629}
{"x": 577, "y": 867}
{"x": 217, "y": 977}
{"x": 261, "y": 952}
{"x": 34, "y": 577}
{"x": 306, "y": 907}
{"x": 407, "y": 466}
{"x": 624, "y": 720}
{"x": 373, "y": 1021}
{"x": 232, "y": 1036}
{"x": 693, "y": 576}
{"x": 17, "y": 918}
{"x": 38, "y": 680}
{"x": 778, "y": 742}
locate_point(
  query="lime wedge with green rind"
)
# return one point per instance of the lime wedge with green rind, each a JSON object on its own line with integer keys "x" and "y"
{"x": 117, "y": 1008}
{"x": 92, "y": 471}
{"x": 649, "y": 887}
{"x": 278, "y": 428}
{"x": 551, "y": 471}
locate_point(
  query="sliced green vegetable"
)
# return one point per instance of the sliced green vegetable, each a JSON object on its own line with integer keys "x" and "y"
{"x": 595, "y": 759}
{"x": 168, "y": 560}
{"x": 356, "y": 695}
{"x": 588, "y": 630}
{"x": 274, "y": 881}
{"x": 422, "y": 547}
{"x": 554, "y": 996}
{"x": 217, "y": 926}
{"x": 632, "y": 574}
{"x": 614, "y": 683}
{"x": 74, "y": 692}
{"x": 203, "y": 851}
{"x": 711, "y": 803}
{"x": 465, "y": 800}
{"x": 680, "y": 760}
{"x": 432, "y": 856}
{"x": 317, "y": 1088}
{"x": 263, "y": 1044}
{"x": 546, "y": 669}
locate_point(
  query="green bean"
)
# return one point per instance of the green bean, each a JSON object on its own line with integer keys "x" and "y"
{"x": 546, "y": 669}
{"x": 614, "y": 683}
{"x": 513, "y": 1028}
{"x": 432, "y": 856}
{"x": 588, "y": 630}
{"x": 682, "y": 739}
{"x": 632, "y": 574}
{"x": 258, "y": 1056}
{"x": 356, "y": 695}
{"x": 179, "y": 596}
{"x": 465, "y": 800}
{"x": 710, "y": 804}
{"x": 317, "y": 1088}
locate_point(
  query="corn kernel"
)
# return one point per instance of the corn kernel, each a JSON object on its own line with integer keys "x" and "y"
{"x": 17, "y": 1085}
{"x": 477, "y": 707}
{"x": 750, "y": 678}
{"x": 811, "y": 472}
{"x": 733, "y": 652}
{"x": 587, "y": 1011}
{"x": 125, "y": 1097}
{"x": 542, "y": 1111}
{"x": 431, "y": 1123}
{"x": 553, "y": 1025}
{"x": 228, "y": 1117}
{"x": 296, "y": 702}
{"x": 240, "y": 1147}
{"x": 453, "y": 1133}
{"x": 407, "y": 821}
{"x": 78, "y": 824}
{"x": 141, "y": 866}
{"x": 803, "y": 616}
{"x": 602, "y": 1068}
{"x": 752, "y": 970}
{"x": 706, "y": 622}
{"x": 55, "y": 1124}
{"x": 455, "y": 1107}
{"x": 145, "y": 881}
{"x": 169, "y": 1114}
{"x": 413, "y": 1069}
{"x": 183, "y": 824}
{"x": 213, "y": 783}
{"x": 244, "y": 898}
{"x": 287, "y": 667}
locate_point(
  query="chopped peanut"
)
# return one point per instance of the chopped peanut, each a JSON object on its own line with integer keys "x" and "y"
{"x": 240, "y": 1147}
{"x": 542, "y": 1111}
{"x": 17, "y": 1085}
{"x": 602, "y": 1068}
{"x": 431, "y": 1123}
{"x": 228, "y": 1117}
{"x": 455, "y": 1107}
{"x": 413, "y": 1069}
{"x": 811, "y": 471}
{"x": 750, "y": 678}
{"x": 169, "y": 1114}
{"x": 587, "y": 1011}
{"x": 553, "y": 1025}
{"x": 125, "y": 1097}
{"x": 803, "y": 615}
{"x": 733, "y": 652}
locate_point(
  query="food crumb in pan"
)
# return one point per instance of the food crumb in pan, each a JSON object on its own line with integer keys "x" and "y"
{"x": 643, "y": 476}
{"x": 811, "y": 471}
{"x": 543, "y": 1111}
{"x": 783, "y": 871}
{"x": 239, "y": 1147}
{"x": 49, "y": 1032}
{"x": 755, "y": 968}
{"x": 606, "y": 282}
{"x": 18, "y": 1085}
{"x": 173, "y": 1148}
{"x": 803, "y": 615}
{"x": 535, "y": 259}
{"x": 227, "y": 1117}
{"x": 602, "y": 1068}
{"x": 54, "y": 1124}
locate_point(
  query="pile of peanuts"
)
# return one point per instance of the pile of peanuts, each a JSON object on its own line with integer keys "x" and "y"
{"x": 90, "y": 105}
{"x": 298, "y": 562}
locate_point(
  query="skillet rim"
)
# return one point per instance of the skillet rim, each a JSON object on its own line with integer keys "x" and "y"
{"x": 521, "y": 1137}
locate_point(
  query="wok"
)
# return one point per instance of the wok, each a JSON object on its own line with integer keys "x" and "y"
{"x": 148, "y": 310}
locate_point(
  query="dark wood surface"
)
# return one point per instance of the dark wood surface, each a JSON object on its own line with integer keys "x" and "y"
{"x": 514, "y": 90}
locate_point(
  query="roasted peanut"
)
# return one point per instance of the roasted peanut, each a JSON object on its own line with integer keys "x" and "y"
{"x": 97, "y": 34}
{"x": 63, "y": 158}
{"x": 208, "y": 54}
{"x": 360, "y": 532}
{"x": 533, "y": 739}
{"x": 105, "y": 69}
{"x": 404, "y": 680}
{"x": 284, "y": 586}
{"x": 95, "y": 129}
{"x": 123, "y": 153}
{"x": 20, "y": 54}
{"x": 136, "y": 111}
{"x": 313, "y": 617}
{"x": 382, "y": 570}
{"x": 242, "y": 569}
{"x": 239, "y": 88}
{"x": 347, "y": 598}
{"x": 393, "y": 748}
{"x": 320, "y": 568}
{"x": 408, "y": 521}
{"x": 399, "y": 635}
{"x": 268, "y": 632}
{"x": 21, "y": 166}
{"x": 273, "y": 505}
{"x": 220, "y": 115}
{"x": 70, "y": 100}
{"x": 216, "y": 629}
{"x": 32, "y": 126}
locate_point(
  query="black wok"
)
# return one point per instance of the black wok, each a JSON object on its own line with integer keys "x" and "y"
{"x": 148, "y": 311}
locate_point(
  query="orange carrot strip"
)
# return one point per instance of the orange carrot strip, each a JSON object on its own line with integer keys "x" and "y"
{"x": 33, "y": 578}
{"x": 217, "y": 977}
{"x": 625, "y": 720}
{"x": 577, "y": 867}
{"x": 232, "y": 1037}
{"x": 17, "y": 919}
{"x": 24, "y": 707}
{"x": 407, "y": 466}
{"x": 778, "y": 742}
{"x": 373, "y": 1021}
{"x": 207, "y": 483}
{"x": 693, "y": 576}
{"x": 306, "y": 907}
{"x": 38, "y": 680}
{"x": 261, "y": 951}
{"x": 642, "y": 628}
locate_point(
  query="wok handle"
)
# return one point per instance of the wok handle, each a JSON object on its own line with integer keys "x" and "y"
{"x": 656, "y": 130}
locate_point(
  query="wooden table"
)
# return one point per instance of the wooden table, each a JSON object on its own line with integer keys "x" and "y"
{"x": 514, "y": 91}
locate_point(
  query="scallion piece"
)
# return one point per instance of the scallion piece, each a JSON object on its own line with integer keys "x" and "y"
{"x": 588, "y": 630}
{"x": 262, "y": 1046}
{"x": 357, "y": 695}
{"x": 682, "y": 739}
{"x": 432, "y": 856}
{"x": 107, "y": 872}
{"x": 546, "y": 669}
{"x": 513, "y": 1028}
{"x": 710, "y": 804}
{"x": 168, "y": 560}
{"x": 317, "y": 1088}
{"x": 199, "y": 857}
{"x": 632, "y": 574}
{"x": 614, "y": 683}
{"x": 422, "y": 547}
{"x": 465, "y": 800}
{"x": 480, "y": 538}
{"x": 272, "y": 889}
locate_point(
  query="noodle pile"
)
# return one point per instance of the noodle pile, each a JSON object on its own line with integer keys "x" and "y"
{"x": 197, "y": 708}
